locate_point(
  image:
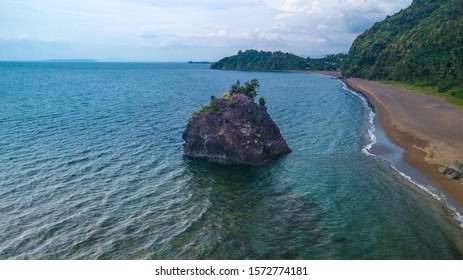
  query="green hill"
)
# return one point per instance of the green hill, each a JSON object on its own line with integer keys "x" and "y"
{"x": 278, "y": 61}
{"x": 422, "y": 45}
{"x": 261, "y": 60}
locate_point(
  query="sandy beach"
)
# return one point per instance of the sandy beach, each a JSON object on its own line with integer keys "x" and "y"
{"x": 333, "y": 74}
{"x": 428, "y": 128}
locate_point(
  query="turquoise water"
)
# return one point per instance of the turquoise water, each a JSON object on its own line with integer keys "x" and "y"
{"x": 92, "y": 168}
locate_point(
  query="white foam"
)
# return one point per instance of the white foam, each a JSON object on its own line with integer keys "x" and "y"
{"x": 372, "y": 140}
{"x": 371, "y": 118}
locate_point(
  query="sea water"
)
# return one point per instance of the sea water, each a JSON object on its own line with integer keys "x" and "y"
{"x": 92, "y": 168}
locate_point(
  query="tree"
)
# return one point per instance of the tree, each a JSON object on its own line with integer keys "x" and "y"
{"x": 249, "y": 88}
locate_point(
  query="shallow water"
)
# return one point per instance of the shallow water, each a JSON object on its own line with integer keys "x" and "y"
{"x": 92, "y": 168}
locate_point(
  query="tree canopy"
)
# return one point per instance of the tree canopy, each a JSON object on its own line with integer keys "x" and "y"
{"x": 278, "y": 61}
{"x": 422, "y": 44}
{"x": 249, "y": 89}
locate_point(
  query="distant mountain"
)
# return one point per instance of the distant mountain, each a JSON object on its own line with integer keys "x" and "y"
{"x": 71, "y": 60}
{"x": 198, "y": 62}
{"x": 277, "y": 61}
{"x": 422, "y": 44}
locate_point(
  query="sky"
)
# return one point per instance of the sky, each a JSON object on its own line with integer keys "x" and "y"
{"x": 182, "y": 30}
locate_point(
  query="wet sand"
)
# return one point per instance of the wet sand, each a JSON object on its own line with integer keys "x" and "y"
{"x": 429, "y": 129}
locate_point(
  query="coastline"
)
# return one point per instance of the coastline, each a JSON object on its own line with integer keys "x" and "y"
{"x": 426, "y": 127}
{"x": 332, "y": 74}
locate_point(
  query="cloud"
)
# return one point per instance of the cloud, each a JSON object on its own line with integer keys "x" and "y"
{"x": 330, "y": 25}
{"x": 179, "y": 29}
{"x": 293, "y": 6}
{"x": 205, "y": 4}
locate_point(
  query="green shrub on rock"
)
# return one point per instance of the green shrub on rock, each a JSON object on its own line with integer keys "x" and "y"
{"x": 249, "y": 88}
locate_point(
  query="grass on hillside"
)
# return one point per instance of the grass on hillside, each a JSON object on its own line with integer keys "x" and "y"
{"x": 428, "y": 90}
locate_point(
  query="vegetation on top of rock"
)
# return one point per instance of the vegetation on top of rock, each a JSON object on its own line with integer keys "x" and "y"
{"x": 421, "y": 45}
{"x": 278, "y": 61}
{"x": 249, "y": 89}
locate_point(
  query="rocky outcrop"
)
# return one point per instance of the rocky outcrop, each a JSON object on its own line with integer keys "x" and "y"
{"x": 454, "y": 171}
{"x": 234, "y": 129}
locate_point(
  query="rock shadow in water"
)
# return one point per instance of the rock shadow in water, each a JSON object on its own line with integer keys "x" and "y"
{"x": 250, "y": 215}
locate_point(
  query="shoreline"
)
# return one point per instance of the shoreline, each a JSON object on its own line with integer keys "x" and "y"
{"x": 332, "y": 74}
{"x": 426, "y": 127}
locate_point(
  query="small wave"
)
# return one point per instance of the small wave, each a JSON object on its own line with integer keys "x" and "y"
{"x": 457, "y": 216}
{"x": 373, "y": 140}
{"x": 371, "y": 118}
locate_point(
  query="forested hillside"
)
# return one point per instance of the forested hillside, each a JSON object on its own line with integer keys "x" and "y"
{"x": 422, "y": 44}
{"x": 260, "y": 60}
{"x": 278, "y": 61}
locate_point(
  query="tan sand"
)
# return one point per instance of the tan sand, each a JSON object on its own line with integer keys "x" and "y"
{"x": 428, "y": 128}
{"x": 333, "y": 74}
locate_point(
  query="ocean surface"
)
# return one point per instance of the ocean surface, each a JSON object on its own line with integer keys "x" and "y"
{"x": 92, "y": 168}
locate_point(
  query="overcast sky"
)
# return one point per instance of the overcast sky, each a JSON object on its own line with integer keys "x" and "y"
{"x": 182, "y": 30}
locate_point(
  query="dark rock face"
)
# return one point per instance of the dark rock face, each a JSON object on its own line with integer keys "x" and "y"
{"x": 235, "y": 130}
{"x": 454, "y": 171}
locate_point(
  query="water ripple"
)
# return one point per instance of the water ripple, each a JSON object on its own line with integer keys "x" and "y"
{"x": 92, "y": 169}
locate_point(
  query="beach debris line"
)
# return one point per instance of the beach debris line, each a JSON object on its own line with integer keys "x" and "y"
{"x": 235, "y": 129}
{"x": 454, "y": 171}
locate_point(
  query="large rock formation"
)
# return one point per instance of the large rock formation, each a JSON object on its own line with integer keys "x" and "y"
{"x": 234, "y": 129}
